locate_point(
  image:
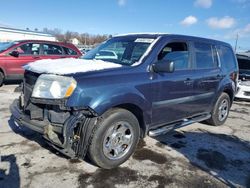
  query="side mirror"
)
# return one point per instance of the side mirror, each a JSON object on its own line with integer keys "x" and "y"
{"x": 14, "y": 53}
{"x": 163, "y": 66}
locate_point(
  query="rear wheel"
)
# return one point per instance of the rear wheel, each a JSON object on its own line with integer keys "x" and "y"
{"x": 115, "y": 138}
{"x": 220, "y": 111}
{"x": 1, "y": 78}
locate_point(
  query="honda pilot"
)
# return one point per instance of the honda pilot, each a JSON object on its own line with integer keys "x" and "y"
{"x": 102, "y": 106}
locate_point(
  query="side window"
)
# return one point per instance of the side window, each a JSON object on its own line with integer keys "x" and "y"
{"x": 28, "y": 49}
{"x": 50, "y": 49}
{"x": 69, "y": 51}
{"x": 176, "y": 52}
{"x": 204, "y": 56}
{"x": 226, "y": 56}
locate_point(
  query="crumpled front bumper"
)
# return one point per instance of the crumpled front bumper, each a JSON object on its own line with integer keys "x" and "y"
{"x": 72, "y": 139}
{"x": 23, "y": 120}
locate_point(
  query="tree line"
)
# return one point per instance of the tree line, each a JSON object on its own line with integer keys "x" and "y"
{"x": 83, "y": 38}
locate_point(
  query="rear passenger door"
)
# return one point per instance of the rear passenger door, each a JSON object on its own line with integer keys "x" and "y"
{"x": 207, "y": 75}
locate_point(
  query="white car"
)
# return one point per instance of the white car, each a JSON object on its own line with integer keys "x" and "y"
{"x": 243, "y": 91}
{"x": 106, "y": 54}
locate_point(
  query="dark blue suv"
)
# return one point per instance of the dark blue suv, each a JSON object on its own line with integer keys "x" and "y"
{"x": 128, "y": 87}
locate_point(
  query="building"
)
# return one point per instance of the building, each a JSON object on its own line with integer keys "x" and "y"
{"x": 11, "y": 34}
{"x": 74, "y": 41}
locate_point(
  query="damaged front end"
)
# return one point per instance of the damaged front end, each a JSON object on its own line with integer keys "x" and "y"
{"x": 69, "y": 130}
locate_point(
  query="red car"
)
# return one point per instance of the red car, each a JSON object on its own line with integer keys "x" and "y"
{"x": 14, "y": 55}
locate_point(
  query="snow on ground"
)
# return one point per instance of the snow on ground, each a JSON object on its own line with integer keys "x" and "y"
{"x": 194, "y": 156}
{"x": 69, "y": 66}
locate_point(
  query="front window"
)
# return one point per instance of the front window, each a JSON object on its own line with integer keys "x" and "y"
{"x": 176, "y": 52}
{"x": 28, "y": 49}
{"x": 121, "y": 50}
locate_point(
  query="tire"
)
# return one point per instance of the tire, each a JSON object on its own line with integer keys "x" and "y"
{"x": 115, "y": 138}
{"x": 1, "y": 78}
{"x": 220, "y": 111}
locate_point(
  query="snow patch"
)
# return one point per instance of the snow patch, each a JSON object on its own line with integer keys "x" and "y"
{"x": 68, "y": 66}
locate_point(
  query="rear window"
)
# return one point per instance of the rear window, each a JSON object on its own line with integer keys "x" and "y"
{"x": 69, "y": 51}
{"x": 227, "y": 57}
{"x": 28, "y": 49}
{"x": 244, "y": 64}
{"x": 204, "y": 56}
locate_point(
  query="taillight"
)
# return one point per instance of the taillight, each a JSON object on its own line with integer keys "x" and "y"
{"x": 234, "y": 76}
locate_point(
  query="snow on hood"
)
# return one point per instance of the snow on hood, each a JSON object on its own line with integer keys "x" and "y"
{"x": 68, "y": 66}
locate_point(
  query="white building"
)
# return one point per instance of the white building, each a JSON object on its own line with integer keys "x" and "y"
{"x": 11, "y": 34}
{"x": 74, "y": 41}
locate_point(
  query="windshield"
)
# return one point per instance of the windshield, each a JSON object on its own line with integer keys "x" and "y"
{"x": 121, "y": 50}
{"x": 5, "y": 45}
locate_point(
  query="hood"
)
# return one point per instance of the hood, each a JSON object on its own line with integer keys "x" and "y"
{"x": 68, "y": 66}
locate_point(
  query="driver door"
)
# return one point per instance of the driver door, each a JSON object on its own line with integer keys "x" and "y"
{"x": 173, "y": 92}
{"x": 28, "y": 52}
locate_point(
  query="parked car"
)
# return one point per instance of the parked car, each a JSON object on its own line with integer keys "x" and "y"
{"x": 243, "y": 90}
{"x": 14, "y": 55}
{"x": 102, "y": 107}
{"x": 106, "y": 54}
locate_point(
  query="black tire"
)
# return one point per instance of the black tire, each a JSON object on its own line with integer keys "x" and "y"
{"x": 101, "y": 138}
{"x": 1, "y": 78}
{"x": 217, "y": 117}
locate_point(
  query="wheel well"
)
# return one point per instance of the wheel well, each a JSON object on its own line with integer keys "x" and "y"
{"x": 230, "y": 94}
{"x": 138, "y": 114}
{"x": 1, "y": 70}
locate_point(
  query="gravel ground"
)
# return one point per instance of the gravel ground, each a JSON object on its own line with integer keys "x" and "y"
{"x": 194, "y": 156}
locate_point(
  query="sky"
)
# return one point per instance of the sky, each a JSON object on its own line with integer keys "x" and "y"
{"x": 216, "y": 19}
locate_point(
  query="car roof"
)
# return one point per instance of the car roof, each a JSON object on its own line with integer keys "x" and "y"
{"x": 156, "y": 35}
{"x": 243, "y": 56}
{"x": 44, "y": 41}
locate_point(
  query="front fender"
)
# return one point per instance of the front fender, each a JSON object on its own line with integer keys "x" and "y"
{"x": 118, "y": 97}
{"x": 102, "y": 99}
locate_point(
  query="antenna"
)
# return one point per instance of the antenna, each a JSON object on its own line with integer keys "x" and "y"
{"x": 236, "y": 42}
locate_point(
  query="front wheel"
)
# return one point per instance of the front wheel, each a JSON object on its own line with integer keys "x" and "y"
{"x": 115, "y": 138}
{"x": 220, "y": 110}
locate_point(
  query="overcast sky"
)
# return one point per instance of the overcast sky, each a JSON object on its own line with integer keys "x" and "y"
{"x": 218, "y": 19}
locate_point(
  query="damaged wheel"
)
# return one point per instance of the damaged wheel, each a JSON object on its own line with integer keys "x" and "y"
{"x": 115, "y": 138}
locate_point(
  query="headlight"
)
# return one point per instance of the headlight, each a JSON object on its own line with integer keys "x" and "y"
{"x": 50, "y": 86}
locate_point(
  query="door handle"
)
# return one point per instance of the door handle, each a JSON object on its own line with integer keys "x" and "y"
{"x": 36, "y": 57}
{"x": 218, "y": 77}
{"x": 188, "y": 81}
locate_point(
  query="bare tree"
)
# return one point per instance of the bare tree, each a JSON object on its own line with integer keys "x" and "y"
{"x": 84, "y": 38}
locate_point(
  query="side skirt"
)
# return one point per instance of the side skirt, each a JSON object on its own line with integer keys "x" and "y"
{"x": 169, "y": 127}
